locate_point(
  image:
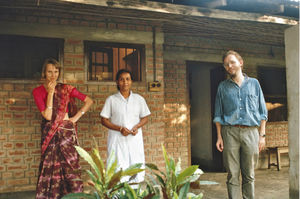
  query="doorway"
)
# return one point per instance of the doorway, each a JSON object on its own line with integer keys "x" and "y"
{"x": 203, "y": 81}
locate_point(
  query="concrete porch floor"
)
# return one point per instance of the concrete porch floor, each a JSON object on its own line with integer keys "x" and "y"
{"x": 269, "y": 184}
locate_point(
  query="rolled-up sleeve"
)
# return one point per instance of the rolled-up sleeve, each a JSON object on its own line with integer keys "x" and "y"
{"x": 262, "y": 105}
{"x": 218, "y": 107}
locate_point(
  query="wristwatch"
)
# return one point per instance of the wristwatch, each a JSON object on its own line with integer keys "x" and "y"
{"x": 262, "y": 135}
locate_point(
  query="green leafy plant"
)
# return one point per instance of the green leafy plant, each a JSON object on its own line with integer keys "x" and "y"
{"x": 106, "y": 182}
{"x": 174, "y": 182}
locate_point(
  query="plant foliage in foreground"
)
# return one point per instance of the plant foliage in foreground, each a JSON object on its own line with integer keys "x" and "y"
{"x": 174, "y": 182}
{"x": 106, "y": 181}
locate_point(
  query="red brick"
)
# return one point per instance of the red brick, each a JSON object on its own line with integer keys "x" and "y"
{"x": 8, "y": 87}
{"x": 19, "y": 115}
{"x": 2, "y": 183}
{"x": 20, "y": 94}
{"x": 3, "y": 137}
{"x": 7, "y": 115}
{"x": 74, "y": 69}
{"x": 29, "y": 174}
{"x": 73, "y": 41}
{"x": 19, "y": 174}
{"x": 15, "y": 182}
{"x": 19, "y": 145}
{"x": 6, "y": 175}
{"x": 31, "y": 145}
{"x": 7, "y": 145}
{"x": 17, "y": 152}
{"x": 18, "y": 108}
{"x": 3, "y": 94}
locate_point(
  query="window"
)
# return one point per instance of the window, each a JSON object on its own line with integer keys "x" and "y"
{"x": 105, "y": 59}
{"x": 273, "y": 83}
{"x": 22, "y": 57}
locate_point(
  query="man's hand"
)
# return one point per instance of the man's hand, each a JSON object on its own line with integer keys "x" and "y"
{"x": 262, "y": 143}
{"x": 219, "y": 144}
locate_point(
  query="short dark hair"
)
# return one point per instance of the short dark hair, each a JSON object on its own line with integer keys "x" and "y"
{"x": 52, "y": 61}
{"x": 232, "y": 52}
{"x": 120, "y": 72}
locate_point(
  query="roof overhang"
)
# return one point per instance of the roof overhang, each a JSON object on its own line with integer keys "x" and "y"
{"x": 167, "y": 8}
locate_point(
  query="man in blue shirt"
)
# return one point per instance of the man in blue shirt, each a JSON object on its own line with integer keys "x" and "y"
{"x": 240, "y": 118}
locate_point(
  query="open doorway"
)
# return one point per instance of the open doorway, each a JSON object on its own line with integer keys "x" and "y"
{"x": 203, "y": 81}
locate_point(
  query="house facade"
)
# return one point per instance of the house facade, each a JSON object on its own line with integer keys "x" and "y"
{"x": 175, "y": 46}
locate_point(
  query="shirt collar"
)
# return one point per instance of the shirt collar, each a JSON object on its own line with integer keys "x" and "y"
{"x": 246, "y": 78}
{"x": 121, "y": 96}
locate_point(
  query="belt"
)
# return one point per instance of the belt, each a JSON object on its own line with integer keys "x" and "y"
{"x": 242, "y": 126}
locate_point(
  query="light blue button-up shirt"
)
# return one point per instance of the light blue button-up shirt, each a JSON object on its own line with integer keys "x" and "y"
{"x": 243, "y": 105}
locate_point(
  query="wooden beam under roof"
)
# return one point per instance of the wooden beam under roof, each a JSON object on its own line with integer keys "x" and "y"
{"x": 185, "y": 10}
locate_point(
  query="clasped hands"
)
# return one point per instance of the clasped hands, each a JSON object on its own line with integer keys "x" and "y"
{"x": 126, "y": 131}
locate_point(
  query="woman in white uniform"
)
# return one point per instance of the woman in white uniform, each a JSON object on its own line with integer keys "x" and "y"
{"x": 124, "y": 114}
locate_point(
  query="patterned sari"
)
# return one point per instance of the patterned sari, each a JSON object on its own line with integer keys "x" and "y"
{"x": 59, "y": 171}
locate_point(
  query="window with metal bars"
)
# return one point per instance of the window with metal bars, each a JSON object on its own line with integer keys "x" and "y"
{"x": 105, "y": 59}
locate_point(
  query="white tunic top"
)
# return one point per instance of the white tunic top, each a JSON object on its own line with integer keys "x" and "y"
{"x": 126, "y": 113}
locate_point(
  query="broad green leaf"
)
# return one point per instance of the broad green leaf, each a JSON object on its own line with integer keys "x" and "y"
{"x": 175, "y": 196}
{"x": 111, "y": 170}
{"x": 160, "y": 180}
{"x": 115, "y": 179}
{"x": 93, "y": 178}
{"x": 130, "y": 193}
{"x": 97, "y": 195}
{"x": 199, "y": 196}
{"x": 152, "y": 166}
{"x": 173, "y": 180}
{"x": 135, "y": 166}
{"x": 111, "y": 160}
{"x": 86, "y": 156}
{"x": 172, "y": 164}
{"x": 97, "y": 159}
{"x": 166, "y": 159}
{"x": 131, "y": 172}
{"x": 78, "y": 196}
{"x": 184, "y": 190}
{"x": 186, "y": 173}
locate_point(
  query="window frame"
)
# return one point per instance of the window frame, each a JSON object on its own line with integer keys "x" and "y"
{"x": 89, "y": 45}
{"x": 60, "y": 42}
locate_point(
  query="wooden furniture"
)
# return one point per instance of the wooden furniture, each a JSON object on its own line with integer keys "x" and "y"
{"x": 277, "y": 151}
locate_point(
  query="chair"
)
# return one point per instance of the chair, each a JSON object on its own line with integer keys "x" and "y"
{"x": 278, "y": 151}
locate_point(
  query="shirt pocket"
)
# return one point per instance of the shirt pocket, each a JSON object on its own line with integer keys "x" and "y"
{"x": 252, "y": 102}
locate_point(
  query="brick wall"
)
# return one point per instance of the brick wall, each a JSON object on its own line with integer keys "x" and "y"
{"x": 177, "y": 122}
{"x": 277, "y": 134}
{"x": 20, "y": 119}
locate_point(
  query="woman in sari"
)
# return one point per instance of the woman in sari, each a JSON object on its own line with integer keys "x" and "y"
{"x": 59, "y": 171}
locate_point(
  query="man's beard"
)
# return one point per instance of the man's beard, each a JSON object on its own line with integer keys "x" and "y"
{"x": 232, "y": 76}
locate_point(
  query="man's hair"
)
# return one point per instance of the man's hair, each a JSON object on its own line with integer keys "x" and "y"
{"x": 120, "y": 72}
{"x": 232, "y": 52}
{"x": 52, "y": 61}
